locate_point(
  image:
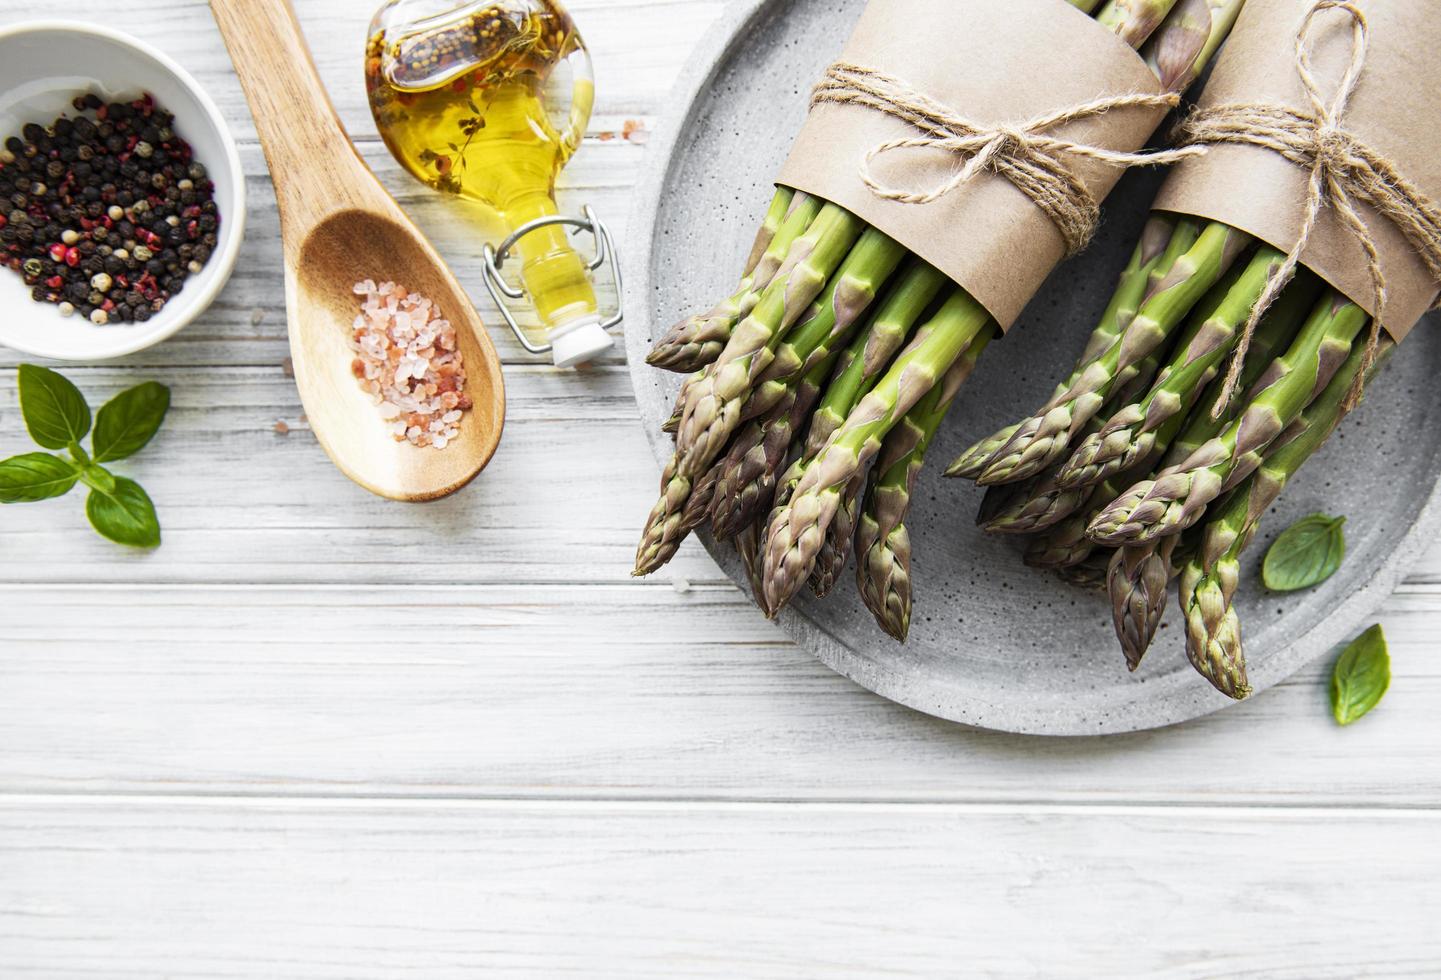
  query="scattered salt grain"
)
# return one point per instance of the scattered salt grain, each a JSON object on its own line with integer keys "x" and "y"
{"x": 408, "y": 361}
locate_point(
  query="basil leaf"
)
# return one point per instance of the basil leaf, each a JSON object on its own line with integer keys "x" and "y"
{"x": 1361, "y": 676}
{"x": 1307, "y": 553}
{"x": 35, "y": 476}
{"x": 98, "y": 478}
{"x": 55, "y": 412}
{"x": 128, "y": 421}
{"x": 125, "y": 514}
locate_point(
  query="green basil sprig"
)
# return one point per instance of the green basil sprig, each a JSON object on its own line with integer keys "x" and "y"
{"x": 58, "y": 417}
{"x": 1305, "y": 554}
{"x": 1361, "y": 676}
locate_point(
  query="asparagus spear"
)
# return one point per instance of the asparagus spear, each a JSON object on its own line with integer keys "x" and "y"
{"x": 803, "y": 362}
{"x": 870, "y": 353}
{"x": 697, "y": 505}
{"x": 748, "y": 545}
{"x": 1134, "y": 433}
{"x": 750, "y": 487}
{"x": 1187, "y": 41}
{"x": 867, "y": 269}
{"x": 1087, "y": 574}
{"x": 912, "y": 295}
{"x": 1134, "y": 20}
{"x": 1141, "y": 574}
{"x": 713, "y": 404}
{"x": 1043, "y": 503}
{"x": 1160, "y": 231}
{"x": 747, "y": 480}
{"x": 798, "y": 528}
{"x": 883, "y": 545}
{"x": 672, "y": 424}
{"x": 699, "y": 339}
{"x": 1044, "y": 437}
{"x": 1062, "y": 546}
{"x": 839, "y": 537}
{"x": 1211, "y": 576}
{"x": 775, "y": 216}
{"x": 1065, "y": 543}
{"x": 1177, "y": 498}
{"x": 713, "y": 409}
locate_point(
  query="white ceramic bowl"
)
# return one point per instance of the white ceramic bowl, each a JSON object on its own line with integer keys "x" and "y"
{"x": 45, "y": 64}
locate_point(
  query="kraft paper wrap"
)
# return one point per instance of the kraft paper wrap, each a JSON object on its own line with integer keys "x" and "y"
{"x": 994, "y": 62}
{"x": 1396, "y": 110}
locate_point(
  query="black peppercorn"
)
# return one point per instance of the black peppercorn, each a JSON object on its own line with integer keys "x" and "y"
{"x": 70, "y": 194}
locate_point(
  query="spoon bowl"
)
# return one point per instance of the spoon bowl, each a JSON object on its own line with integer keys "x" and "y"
{"x": 340, "y": 227}
{"x": 346, "y": 248}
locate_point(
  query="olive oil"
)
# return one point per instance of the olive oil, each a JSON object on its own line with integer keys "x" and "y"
{"x": 487, "y": 101}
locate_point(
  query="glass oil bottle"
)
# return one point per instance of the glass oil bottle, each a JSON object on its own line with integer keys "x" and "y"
{"x": 488, "y": 101}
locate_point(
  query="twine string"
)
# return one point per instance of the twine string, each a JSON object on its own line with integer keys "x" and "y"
{"x": 1343, "y": 173}
{"x": 1026, "y": 153}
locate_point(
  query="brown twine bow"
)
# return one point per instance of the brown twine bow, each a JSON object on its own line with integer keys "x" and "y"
{"x": 1021, "y": 152}
{"x": 1344, "y": 171}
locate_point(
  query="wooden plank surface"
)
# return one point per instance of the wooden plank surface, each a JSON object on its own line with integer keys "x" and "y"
{"x": 220, "y": 889}
{"x": 605, "y": 692}
{"x": 318, "y": 735}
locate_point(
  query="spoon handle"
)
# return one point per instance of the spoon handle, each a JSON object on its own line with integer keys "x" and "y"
{"x": 305, "y": 144}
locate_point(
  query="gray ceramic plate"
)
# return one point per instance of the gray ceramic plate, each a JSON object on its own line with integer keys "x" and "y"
{"x": 994, "y": 643}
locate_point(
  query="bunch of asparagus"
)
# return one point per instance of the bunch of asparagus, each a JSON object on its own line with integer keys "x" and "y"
{"x": 1140, "y": 462}
{"x": 836, "y": 351}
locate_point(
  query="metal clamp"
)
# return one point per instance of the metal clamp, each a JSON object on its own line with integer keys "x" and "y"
{"x": 500, "y": 289}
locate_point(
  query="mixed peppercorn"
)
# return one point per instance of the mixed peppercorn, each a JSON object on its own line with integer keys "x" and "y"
{"x": 107, "y": 213}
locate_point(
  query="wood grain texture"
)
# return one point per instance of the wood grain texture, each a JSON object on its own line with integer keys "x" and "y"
{"x": 606, "y": 692}
{"x": 383, "y": 890}
{"x": 317, "y": 735}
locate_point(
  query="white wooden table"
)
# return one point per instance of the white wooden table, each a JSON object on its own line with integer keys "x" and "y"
{"x": 320, "y": 735}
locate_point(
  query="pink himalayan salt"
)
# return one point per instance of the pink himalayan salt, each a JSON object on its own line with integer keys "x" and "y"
{"x": 408, "y": 361}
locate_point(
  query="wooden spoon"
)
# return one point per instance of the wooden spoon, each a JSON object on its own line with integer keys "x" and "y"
{"x": 341, "y": 227}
